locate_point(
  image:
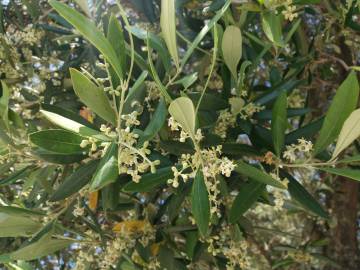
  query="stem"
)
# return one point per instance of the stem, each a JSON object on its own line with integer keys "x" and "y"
{"x": 112, "y": 87}
{"x": 124, "y": 17}
{"x": 137, "y": 151}
{"x": 305, "y": 165}
{"x": 211, "y": 70}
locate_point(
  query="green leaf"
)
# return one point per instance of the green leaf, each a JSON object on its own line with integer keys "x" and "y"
{"x": 168, "y": 28}
{"x": 349, "y": 133}
{"x": 200, "y": 205}
{"x": 154, "y": 42}
{"x": 247, "y": 196}
{"x": 188, "y": 80}
{"x": 355, "y": 158}
{"x": 232, "y": 48}
{"x": 115, "y": 35}
{"x": 45, "y": 246}
{"x": 302, "y": 196}
{"x": 58, "y": 158}
{"x": 271, "y": 24}
{"x": 341, "y": 107}
{"x": 88, "y": 30}
{"x": 12, "y": 178}
{"x": 257, "y": 175}
{"x": 15, "y": 225}
{"x": 92, "y": 96}
{"x": 349, "y": 173}
{"x": 72, "y": 115}
{"x": 157, "y": 121}
{"x": 279, "y": 123}
{"x": 150, "y": 181}
{"x": 306, "y": 132}
{"x": 84, "y": 5}
{"x": 136, "y": 93}
{"x": 182, "y": 110}
{"x": 21, "y": 212}
{"x": 58, "y": 141}
{"x": 4, "y": 104}
{"x": 107, "y": 170}
{"x": 69, "y": 124}
{"x": 208, "y": 26}
{"x": 73, "y": 183}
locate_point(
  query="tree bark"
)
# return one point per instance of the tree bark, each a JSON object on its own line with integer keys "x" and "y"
{"x": 343, "y": 247}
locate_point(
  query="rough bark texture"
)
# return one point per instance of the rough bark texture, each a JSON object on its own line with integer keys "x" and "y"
{"x": 344, "y": 246}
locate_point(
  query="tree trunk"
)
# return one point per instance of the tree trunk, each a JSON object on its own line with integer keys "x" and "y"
{"x": 343, "y": 247}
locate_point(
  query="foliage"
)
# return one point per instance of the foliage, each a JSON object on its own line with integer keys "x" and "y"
{"x": 180, "y": 138}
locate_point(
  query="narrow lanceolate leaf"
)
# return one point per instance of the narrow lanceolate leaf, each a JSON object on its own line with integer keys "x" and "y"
{"x": 89, "y": 31}
{"x": 92, "y": 96}
{"x": 232, "y": 48}
{"x": 204, "y": 32}
{"x": 16, "y": 225}
{"x": 352, "y": 159}
{"x": 17, "y": 175}
{"x": 279, "y": 123}
{"x": 168, "y": 27}
{"x": 200, "y": 205}
{"x": 247, "y": 196}
{"x": 257, "y": 175}
{"x": 84, "y": 5}
{"x": 57, "y": 141}
{"x": 157, "y": 121}
{"x": 350, "y": 173}
{"x": 303, "y": 197}
{"x": 115, "y": 35}
{"x": 45, "y": 246}
{"x": 107, "y": 170}
{"x": 4, "y": 104}
{"x": 271, "y": 24}
{"x": 19, "y": 211}
{"x": 343, "y": 104}
{"x": 349, "y": 132}
{"x": 75, "y": 181}
{"x": 69, "y": 124}
{"x": 182, "y": 110}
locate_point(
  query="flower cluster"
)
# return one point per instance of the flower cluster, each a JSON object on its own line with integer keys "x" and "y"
{"x": 211, "y": 164}
{"x": 290, "y": 11}
{"x": 300, "y": 150}
{"x": 225, "y": 120}
{"x": 235, "y": 250}
{"x": 175, "y": 126}
{"x": 90, "y": 141}
{"x": 133, "y": 160}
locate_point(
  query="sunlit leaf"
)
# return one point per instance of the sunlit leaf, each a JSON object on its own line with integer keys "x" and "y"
{"x": 45, "y": 246}
{"x": 271, "y": 24}
{"x": 341, "y": 107}
{"x": 232, "y": 48}
{"x": 89, "y": 31}
{"x": 93, "y": 96}
{"x": 182, "y": 110}
{"x": 168, "y": 27}
{"x": 14, "y": 225}
{"x": 349, "y": 132}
